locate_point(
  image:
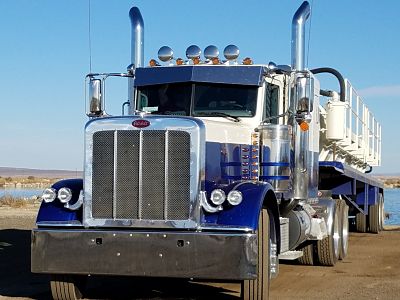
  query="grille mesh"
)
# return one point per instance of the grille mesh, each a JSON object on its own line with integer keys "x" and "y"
{"x": 153, "y": 174}
{"x": 149, "y": 183}
{"x": 178, "y": 179}
{"x": 103, "y": 169}
{"x": 127, "y": 189}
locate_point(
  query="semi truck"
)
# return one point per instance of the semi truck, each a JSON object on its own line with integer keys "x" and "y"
{"x": 217, "y": 169}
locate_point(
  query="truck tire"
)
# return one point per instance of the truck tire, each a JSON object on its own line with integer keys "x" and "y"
{"x": 344, "y": 229}
{"x": 328, "y": 248}
{"x": 67, "y": 287}
{"x": 308, "y": 255}
{"x": 373, "y": 218}
{"x": 381, "y": 212}
{"x": 258, "y": 289}
{"x": 361, "y": 222}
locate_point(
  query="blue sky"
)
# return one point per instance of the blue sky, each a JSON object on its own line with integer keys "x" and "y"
{"x": 44, "y": 56}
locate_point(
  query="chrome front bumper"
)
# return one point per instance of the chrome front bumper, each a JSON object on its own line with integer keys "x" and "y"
{"x": 201, "y": 255}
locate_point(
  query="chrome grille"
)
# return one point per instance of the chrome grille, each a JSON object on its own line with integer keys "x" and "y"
{"x": 141, "y": 175}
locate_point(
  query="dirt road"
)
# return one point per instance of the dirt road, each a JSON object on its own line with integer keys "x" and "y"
{"x": 371, "y": 271}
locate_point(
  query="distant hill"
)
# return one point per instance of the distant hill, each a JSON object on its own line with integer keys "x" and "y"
{"x": 23, "y": 172}
{"x": 388, "y": 175}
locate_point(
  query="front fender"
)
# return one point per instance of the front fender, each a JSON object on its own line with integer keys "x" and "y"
{"x": 246, "y": 213}
{"x": 54, "y": 213}
{"x": 329, "y": 213}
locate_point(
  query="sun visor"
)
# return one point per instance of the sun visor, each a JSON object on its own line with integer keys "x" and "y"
{"x": 243, "y": 75}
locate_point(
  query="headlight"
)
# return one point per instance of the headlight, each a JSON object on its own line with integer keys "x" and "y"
{"x": 49, "y": 195}
{"x": 217, "y": 197}
{"x": 235, "y": 197}
{"x": 64, "y": 195}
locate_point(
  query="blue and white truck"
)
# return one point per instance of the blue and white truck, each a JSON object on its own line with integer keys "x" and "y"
{"x": 219, "y": 169}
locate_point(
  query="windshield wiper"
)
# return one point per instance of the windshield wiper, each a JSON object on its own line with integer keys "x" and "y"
{"x": 219, "y": 114}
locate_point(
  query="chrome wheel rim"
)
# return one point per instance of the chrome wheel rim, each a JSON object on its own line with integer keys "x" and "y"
{"x": 345, "y": 232}
{"x": 336, "y": 234}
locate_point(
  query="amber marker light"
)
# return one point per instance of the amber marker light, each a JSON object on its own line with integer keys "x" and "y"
{"x": 247, "y": 61}
{"x": 153, "y": 63}
{"x": 179, "y": 61}
{"x": 215, "y": 61}
{"x": 304, "y": 126}
{"x": 196, "y": 61}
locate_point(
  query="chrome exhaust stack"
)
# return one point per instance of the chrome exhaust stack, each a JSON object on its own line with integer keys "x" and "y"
{"x": 137, "y": 50}
{"x": 298, "y": 36}
{"x": 301, "y": 105}
{"x": 137, "y": 41}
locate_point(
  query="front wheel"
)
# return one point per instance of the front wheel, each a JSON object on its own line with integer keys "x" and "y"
{"x": 258, "y": 289}
{"x": 67, "y": 287}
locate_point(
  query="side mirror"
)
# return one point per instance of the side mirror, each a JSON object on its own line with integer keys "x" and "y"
{"x": 280, "y": 69}
{"x": 95, "y": 98}
{"x": 284, "y": 68}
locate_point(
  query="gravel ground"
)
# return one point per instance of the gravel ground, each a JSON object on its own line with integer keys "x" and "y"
{"x": 370, "y": 271}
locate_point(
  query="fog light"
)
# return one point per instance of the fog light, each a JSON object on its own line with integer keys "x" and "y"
{"x": 49, "y": 195}
{"x": 64, "y": 195}
{"x": 217, "y": 197}
{"x": 235, "y": 197}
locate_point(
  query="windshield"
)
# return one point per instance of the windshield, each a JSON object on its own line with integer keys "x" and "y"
{"x": 199, "y": 99}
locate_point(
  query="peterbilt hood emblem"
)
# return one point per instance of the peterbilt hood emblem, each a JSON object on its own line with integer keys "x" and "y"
{"x": 140, "y": 123}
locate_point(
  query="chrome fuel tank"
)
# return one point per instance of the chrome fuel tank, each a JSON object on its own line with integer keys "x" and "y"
{"x": 275, "y": 155}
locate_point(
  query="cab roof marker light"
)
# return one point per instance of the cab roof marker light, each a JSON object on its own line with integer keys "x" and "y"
{"x": 165, "y": 54}
{"x": 153, "y": 63}
{"x": 231, "y": 52}
{"x": 247, "y": 61}
{"x": 215, "y": 61}
{"x": 211, "y": 52}
{"x": 193, "y": 53}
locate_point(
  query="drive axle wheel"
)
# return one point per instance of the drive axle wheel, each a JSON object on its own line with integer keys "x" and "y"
{"x": 328, "y": 249}
{"x": 373, "y": 217}
{"x": 344, "y": 229}
{"x": 361, "y": 222}
{"x": 381, "y": 212}
{"x": 308, "y": 255}
{"x": 67, "y": 287}
{"x": 258, "y": 289}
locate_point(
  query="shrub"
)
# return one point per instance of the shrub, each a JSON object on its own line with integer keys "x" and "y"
{"x": 15, "y": 202}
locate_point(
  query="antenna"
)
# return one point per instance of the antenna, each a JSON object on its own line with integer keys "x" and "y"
{"x": 90, "y": 36}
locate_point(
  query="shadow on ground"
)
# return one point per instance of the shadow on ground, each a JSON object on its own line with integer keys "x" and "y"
{"x": 16, "y": 280}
